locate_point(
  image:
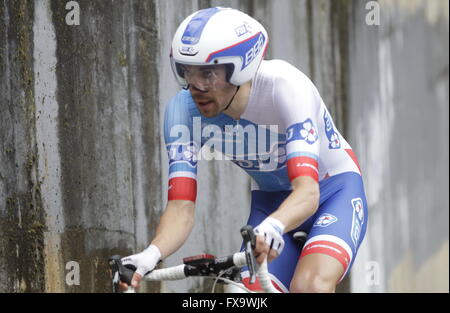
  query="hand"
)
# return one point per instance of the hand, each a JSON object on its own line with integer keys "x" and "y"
{"x": 144, "y": 262}
{"x": 269, "y": 240}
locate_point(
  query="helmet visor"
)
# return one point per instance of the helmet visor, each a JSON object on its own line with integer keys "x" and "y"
{"x": 204, "y": 77}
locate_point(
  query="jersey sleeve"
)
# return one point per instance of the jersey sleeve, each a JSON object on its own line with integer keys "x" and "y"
{"x": 182, "y": 150}
{"x": 298, "y": 102}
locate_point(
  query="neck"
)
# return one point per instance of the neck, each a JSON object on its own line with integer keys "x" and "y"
{"x": 240, "y": 101}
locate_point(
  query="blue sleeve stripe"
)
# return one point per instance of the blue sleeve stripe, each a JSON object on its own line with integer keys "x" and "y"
{"x": 303, "y": 154}
{"x": 182, "y": 166}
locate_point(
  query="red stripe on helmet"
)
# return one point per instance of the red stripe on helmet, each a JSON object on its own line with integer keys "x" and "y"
{"x": 236, "y": 44}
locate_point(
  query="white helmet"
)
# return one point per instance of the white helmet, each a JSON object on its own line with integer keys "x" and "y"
{"x": 220, "y": 36}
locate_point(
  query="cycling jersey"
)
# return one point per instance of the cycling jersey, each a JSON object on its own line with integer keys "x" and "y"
{"x": 285, "y": 132}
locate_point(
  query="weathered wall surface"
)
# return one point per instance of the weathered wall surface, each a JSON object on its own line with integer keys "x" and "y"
{"x": 79, "y": 159}
{"x": 22, "y": 216}
{"x": 398, "y": 123}
{"x": 83, "y": 168}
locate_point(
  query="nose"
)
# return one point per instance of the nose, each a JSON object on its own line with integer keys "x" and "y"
{"x": 195, "y": 88}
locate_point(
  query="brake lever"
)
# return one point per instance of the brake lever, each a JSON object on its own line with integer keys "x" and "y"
{"x": 120, "y": 272}
{"x": 249, "y": 244}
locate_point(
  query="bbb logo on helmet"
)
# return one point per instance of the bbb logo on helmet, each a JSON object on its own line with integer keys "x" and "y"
{"x": 248, "y": 50}
{"x": 254, "y": 51}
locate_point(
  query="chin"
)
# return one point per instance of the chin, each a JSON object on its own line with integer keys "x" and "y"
{"x": 209, "y": 114}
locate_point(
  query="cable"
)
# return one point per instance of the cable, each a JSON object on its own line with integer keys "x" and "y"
{"x": 229, "y": 281}
{"x": 219, "y": 277}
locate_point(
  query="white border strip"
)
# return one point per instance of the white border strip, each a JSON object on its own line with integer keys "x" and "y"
{"x": 183, "y": 174}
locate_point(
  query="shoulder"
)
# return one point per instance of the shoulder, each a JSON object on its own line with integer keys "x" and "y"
{"x": 180, "y": 108}
{"x": 180, "y": 102}
{"x": 288, "y": 82}
{"x": 280, "y": 70}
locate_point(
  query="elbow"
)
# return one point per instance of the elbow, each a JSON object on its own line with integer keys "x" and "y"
{"x": 312, "y": 196}
{"x": 315, "y": 199}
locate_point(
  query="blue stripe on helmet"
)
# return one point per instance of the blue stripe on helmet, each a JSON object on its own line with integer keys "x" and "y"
{"x": 194, "y": 29}
{"x": 247, "y": 50}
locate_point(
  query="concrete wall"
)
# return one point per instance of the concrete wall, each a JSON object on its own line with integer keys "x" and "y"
{"x": 83, "y": 169}
{"x": 398, "y": 124}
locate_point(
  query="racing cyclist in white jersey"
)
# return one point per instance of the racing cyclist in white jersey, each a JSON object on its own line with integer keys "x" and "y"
{"x": 308, "y": 179}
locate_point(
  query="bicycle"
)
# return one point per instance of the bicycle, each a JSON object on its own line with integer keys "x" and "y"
{"x": 226, "y": 269}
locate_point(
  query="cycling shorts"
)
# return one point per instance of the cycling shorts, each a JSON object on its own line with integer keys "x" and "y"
{"x": 336, "y": 229}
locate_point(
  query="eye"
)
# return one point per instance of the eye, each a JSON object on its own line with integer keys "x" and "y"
{"x": 185, "y": 71}
{"x": 207, "y": 73}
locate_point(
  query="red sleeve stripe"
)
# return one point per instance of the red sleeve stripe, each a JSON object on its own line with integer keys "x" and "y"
{"x": 302, "y": 166}
{"x": 182, "y": 188}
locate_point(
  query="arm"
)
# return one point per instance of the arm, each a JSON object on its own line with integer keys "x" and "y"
{"x": 177, "y": 221}
{"x": 301, "y": 117}
{"x": 174, "y": 227}
{"x": 300, "y": 204}
{"x": 298, "y": 102}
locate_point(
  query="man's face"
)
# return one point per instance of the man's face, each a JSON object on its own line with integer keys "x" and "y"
{"x": 209, "y": 88}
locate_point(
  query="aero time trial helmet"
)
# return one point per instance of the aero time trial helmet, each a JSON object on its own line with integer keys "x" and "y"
{"x": 219, "y": 36}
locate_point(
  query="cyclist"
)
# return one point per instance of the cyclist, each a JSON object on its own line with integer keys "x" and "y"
{"x": 306, "y": 178}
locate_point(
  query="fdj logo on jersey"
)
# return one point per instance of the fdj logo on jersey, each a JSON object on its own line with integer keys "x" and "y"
{"x": 358, "y": 220}
{"x": 186, "y": 153}
{"x": 254, "y": 50}
{"x": 332, "y": 135}
{"x": 325, "y": 220}
{"x": 303, "y": 131}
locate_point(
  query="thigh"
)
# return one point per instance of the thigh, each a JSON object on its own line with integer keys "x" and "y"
{"x": 316, "y": 273}
{"x": 339, "y": 225}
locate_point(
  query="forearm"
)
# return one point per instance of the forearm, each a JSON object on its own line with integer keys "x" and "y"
{"x": 174, "y": 227}
{"x": 299, "y": 205}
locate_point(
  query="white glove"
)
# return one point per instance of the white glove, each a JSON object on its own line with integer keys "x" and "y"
{"x": 272, "y": 230}
{"x": 144, "y": 261}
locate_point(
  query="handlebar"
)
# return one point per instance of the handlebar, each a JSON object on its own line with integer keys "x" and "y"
{"x": 238, "y": 259}
{"x": 203, "y": 265}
